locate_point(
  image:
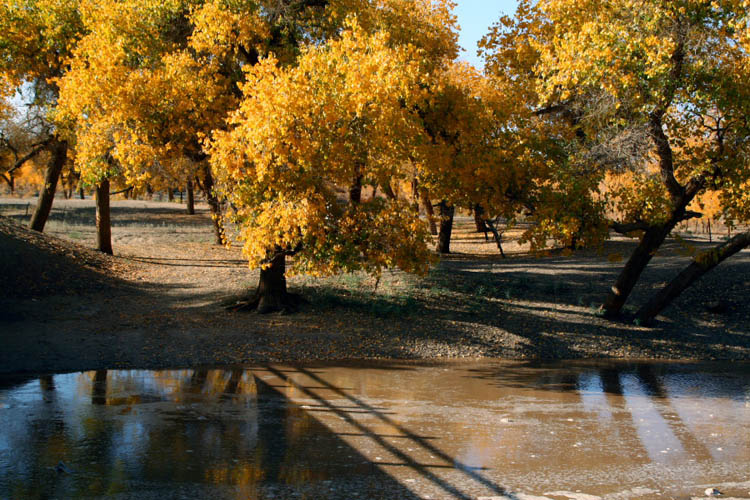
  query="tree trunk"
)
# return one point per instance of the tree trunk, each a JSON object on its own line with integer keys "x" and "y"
{"x": 214, "y": 205}
{"x": 491, "y": 225}
{"x": 47, "y": 194}
{"x": 446, "y": 227}
{"x": 355, "y": 191}
{"x": 415, "y": 193}
{"x": 170, "y": 194}
{"x": 271, "y": 294}
{"x": 103, "y": 221}
{"x": 479, "y": 220}
{"x": 700, "y": 266}
{"x": 650, "y": 242}
{"x": 190, "y": 198}
{"x": 388, "y": 191}
{"x": 429, "y": 212}
{"x": 81, "y": 194}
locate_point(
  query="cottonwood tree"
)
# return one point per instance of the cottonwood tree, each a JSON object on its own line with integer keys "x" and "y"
{"x": 36, "y": 37}
{"x": 141, "y": 92}
{"x": 305, "y": 140}
{"x": 654, "y": 90}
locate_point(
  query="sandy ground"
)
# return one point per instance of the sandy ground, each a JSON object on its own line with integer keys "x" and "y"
{"x": 158, "y": 302}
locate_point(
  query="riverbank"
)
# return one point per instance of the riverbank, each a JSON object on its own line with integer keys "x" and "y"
{"x": 158, "y": 302}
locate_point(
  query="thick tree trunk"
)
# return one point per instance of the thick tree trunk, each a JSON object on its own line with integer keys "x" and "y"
{"x": 214, "y": 205}
{"x": 429, "y": 212}
{"x": 700, "y": 266}
{"x": 271, "y": 294}
{"x": 81, "y": 194}
{"x": 170, "y": 194}
{"x": 103, "y": 220}
{"x": 650, "y": 242}
{"x": 47, "y": 194}
{"x": 190, "y": 197}
{"x": 446, "y": 227}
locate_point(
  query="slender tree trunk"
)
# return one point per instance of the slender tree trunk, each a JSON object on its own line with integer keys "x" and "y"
{"x": 170, "y": 194}
{"x": 355, "y": 190}
{"x": 415, "y": 193}
{"x": 81, "y": 194}
{"x": 9, "y": 180}
{"x": 700, "y": 265}
{"x": 446, "y": 227}
{"x": 479, "y": 220}
{"x": 491, "y": 225}
{"x": 650, "y": 242}
{"x": 103, "y": 220}
{"x": 12, "y": 183}
{"x": 47, "y": 194}
{"x": 429, "y": 212}
{"x": 388, "y": 191}
{"x": 190, "y": 197}
{"x": 214, "y": 205}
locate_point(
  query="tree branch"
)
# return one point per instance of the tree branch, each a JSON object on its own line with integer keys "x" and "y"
{"x": 28, "y": 156}
{"x": 629, "y": 227}
{"x": 129, "y": 188}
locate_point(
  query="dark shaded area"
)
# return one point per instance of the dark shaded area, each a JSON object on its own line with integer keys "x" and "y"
{"x": 239, "y": 435}
{"x": 36, "y": 265}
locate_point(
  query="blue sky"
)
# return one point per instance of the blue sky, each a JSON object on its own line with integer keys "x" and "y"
{"x": 475, "y": 18}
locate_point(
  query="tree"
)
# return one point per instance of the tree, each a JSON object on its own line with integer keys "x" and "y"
{"x": 36, "y": 37}
{"x": 301, "y": 145}
{"x": 652, "y": 90}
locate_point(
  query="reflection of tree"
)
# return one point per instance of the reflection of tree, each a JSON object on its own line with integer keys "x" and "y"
{"x": 653, "y": 386}
{"x": 99, "y": 388}
{"x": 272, "y": 426}
{"x": 115, "y": 434}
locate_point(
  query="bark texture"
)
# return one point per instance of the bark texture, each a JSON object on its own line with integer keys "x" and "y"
{"x": 103, "y": 218}
{"x": 446, "y": 227}
{"x": 271, "y": 294}
{"x": 641, "y": 256}
{"x": 697, "y": 268}
{"x": 428, "y": 210}
{"x": 59, "y": 151}
{"x": 190, "y": 198}
{"x": 479, "y": 220}
{"x": 214, "y": 205}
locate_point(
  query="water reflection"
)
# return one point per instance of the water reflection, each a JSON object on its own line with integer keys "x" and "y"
{"x": 387, "y": 430}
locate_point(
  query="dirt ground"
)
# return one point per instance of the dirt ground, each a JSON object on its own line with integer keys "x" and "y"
{"x": 159, "y": 302}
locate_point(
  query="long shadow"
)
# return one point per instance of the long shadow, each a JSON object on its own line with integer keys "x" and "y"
{"x": 238, "y": 435}
{"x": 207, "y": 263}
{"x": 423, "y": 469}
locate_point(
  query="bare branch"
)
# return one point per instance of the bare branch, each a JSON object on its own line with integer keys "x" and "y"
{"x": 28, "y": 156}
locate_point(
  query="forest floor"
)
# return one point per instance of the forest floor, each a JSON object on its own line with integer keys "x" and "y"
{"x": 158, "y": 303}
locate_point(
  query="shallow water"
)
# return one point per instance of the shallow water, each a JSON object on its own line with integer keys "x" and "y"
{"x": 380, "y": 430}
